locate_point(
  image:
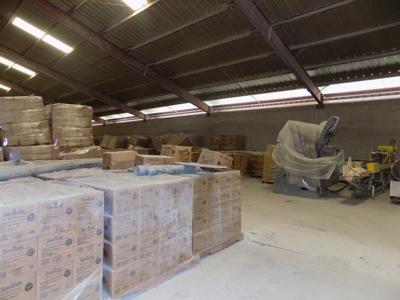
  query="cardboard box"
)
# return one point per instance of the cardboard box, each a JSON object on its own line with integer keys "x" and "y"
{"x": 54, "y": 281}
{"x": 154, "y": 160}
{"x": 18, "y": 288}
{"x": 17, "y": 220}
{"x": 208, "y": 157}
{"x": 18, "y": 256}
{"x": 121, "y": 225}
{"x": 123, "y": 252}
{"x": 41, "y": 152}
{"x": 181, "y": 153}
{"x": 1, "y": 155}
{"x": 122, "y": 281}
{"x": 119, "y": 160}
{"x": 57, "y": 247}
{"x": 255, "y": 163}
{"x": 270, "y": 167}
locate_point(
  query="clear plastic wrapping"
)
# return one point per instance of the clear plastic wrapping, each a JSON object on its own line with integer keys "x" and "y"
{"x": 51, "y": 241}
{"x": 148, "y": 228}
{"x": 296, "y": 152}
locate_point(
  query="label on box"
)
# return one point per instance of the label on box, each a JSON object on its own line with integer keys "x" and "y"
{"x": 18, "y": 288}
{"x": 57, "y": 215}
{"x": 57, "y": 248}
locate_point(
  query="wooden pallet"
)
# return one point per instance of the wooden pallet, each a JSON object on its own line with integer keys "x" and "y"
{"x": 268, "y": 181}
{"x": 217, "y": 248}
{"x": 141, "y": 288}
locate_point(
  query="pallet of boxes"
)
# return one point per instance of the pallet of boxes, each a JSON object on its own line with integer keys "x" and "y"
{"x": 270, "y": 167}
{"x": 24, "y": 129}
{"x": 51, "y": 241}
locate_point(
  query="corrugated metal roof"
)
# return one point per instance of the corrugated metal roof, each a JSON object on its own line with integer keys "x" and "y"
{"x": 211, "y": 48}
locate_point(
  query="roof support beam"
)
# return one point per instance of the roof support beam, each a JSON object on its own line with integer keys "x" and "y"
{"x": 119, "y": 54}
{"x": 71, "y": 82}
{"x": 259, "y": 21}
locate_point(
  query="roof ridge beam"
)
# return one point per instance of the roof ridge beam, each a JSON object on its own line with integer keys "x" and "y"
{"x": 119, "y": 54}
{"x": 265, "y": 28}
{"x": 71, "y": 82}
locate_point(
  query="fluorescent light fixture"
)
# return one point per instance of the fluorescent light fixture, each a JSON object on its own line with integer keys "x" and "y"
{"x": 13, "y": 65}
{"x": 136, "y": 4}
{"x": 23, "y": 70}
{"x": 57, "y": 44}
{"x": 6, "y": 62}
{"x": 29, "y": 28}
{"x": 4, "y": 87}
{"x": 36, "y": 32}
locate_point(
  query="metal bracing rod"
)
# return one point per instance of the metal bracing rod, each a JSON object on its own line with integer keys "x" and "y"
{"x": 267, "y": 31}
{"x": 345, "y": 36}
{"x": 119, "y": 54}
{"x": 184, "y": 26}
{"x": 71, "y": 82}
{"x": 313, "y": 12}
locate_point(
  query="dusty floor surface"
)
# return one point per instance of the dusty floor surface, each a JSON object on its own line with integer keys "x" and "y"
{"x": 297, "y": 248}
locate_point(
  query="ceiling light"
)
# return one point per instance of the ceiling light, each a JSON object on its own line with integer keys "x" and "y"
{"x": 12, "y": 65}
{"x": 57, "y": 44}
{"x": 36, "y": 32}
{"x": 25, "y": 26}
{"x": 136, "y": 4}
{"x": 4, "y": 87}
{"x": 23, "y": 70}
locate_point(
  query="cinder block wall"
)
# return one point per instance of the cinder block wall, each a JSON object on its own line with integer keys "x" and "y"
{"x": 363, "y": 125}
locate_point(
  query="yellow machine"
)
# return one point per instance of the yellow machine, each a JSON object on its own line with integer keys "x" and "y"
{"x": 372, "y": 175}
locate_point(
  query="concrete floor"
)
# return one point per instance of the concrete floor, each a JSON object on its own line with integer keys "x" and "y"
{"x": 298, "y": 248}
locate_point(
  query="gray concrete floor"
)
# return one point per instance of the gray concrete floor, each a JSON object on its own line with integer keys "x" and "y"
{"x": 297, "y": 248}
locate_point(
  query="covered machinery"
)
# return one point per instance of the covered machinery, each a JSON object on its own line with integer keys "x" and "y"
{"x": 308, "y": 164}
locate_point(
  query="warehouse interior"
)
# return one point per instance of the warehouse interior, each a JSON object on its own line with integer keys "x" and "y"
{"x": 192, "y": 149}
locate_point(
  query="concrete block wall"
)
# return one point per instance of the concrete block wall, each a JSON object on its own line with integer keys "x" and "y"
{"x": 363, "y": 125}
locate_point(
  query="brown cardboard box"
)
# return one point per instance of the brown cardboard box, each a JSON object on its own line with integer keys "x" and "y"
{"x": 57, "y": 247}
{"x": 121, "y": 281}
{"x": 1, "y": 155}
{"x": 18, "y": 220}
{"x": 181, "y": 153}
{"x": 19, "y": 255}
{"x": 41, "y": 152}
{"x": 208, "y": 157}
{"x": 57, "y": 215}
{"x": 123, "y": 252}
{"x": 54, "y": 280}
{"x": 119, "y": 160}
{"x": 18, "y": 288}
{"x": 270, "y": 166}
{"x": 154, "y": 160}
{"x": 255, "y": 163}
{"x": 121, "y": 225}
{"x": 91, "y": 288}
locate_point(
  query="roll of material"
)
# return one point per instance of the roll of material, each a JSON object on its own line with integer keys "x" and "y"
{"x": 157, "y": 170}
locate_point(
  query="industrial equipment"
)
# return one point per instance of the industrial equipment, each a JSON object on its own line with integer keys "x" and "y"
{"x": 308, "y": 164}
{"x": 371, "y": 176}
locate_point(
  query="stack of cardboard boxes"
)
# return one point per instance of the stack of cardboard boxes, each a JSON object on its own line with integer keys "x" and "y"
{"x": 51, "y": 241}
{"x": 255, "y": 163}
{"x": 148, "y": 228}
{"x": 270, "y": 166}
{"x": 216, "y": 211}
{"x": 23, "y": 126}
{"x": 227, "y": 142}
{"x": 71, "y": 125}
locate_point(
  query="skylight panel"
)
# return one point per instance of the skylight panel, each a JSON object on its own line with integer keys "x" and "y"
{"x": 40, "y": 34}
{"x": 136, "y": 4}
